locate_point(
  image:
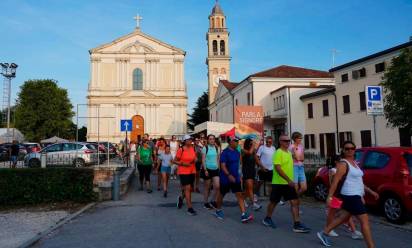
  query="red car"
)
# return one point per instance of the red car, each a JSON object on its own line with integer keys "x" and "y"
{"x": 388, "y": 171}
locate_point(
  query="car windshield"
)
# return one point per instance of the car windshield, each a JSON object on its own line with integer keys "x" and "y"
{"x": 91, "y": 147}
{"x": 408, "y": 158}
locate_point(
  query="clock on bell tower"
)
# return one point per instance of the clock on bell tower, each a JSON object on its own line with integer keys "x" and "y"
{"x": 218, "y": 58}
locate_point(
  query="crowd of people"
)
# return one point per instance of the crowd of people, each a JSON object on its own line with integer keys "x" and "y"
{"x": 242, "y": 167}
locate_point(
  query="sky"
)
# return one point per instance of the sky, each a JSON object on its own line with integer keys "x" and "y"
{"x": 51, "y": 38}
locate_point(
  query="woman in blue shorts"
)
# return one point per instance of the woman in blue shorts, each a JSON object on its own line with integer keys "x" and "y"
{"x": 165, "y": 159}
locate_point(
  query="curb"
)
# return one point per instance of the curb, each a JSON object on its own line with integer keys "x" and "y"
{"x": 58, "y": 224}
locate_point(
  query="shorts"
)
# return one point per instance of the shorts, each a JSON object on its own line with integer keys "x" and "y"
{"x": 13, "y": 159}
{"x": 353, "y": 204}
{"x": 282, "y": 190}
{"x": 144, "y": 172}
{"x": 234, "y": 187}
{"x": 165, "y": 169}
{"x": 249, "y": 173}
{"x": 187, "y": 179}
{"x": 299, "y": 174}
{"x": 212, "y": 174}
{"x": 265, "y": 175}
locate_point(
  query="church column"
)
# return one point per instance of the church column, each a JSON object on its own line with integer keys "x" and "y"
{"x": 157, "y": 109}
{"x": 182, "y": 76}
{"x": 153, "y": 118}
{"x": 145, "y": 116}
{"x": 126, "y": 74}
{"x": 175, "y": 118}
{"x": 97, "y": 69}
{"x": 118, "y": 74}
{"x": 156, "y": 74}
{"x": 146, "y": 75}
{"x": 92, "y": 74}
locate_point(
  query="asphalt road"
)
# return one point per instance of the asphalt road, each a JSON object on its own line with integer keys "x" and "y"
{"x": 149, "y": 220}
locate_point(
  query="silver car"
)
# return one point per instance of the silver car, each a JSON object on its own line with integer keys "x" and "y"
{"x": 64, "y": 154}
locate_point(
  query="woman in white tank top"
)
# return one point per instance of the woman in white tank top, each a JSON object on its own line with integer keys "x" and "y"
{"x": 351, "y": 194}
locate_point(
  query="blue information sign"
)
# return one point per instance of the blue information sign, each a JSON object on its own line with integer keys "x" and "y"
{"x": 125, "y": 125}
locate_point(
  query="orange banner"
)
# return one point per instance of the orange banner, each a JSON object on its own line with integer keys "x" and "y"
{"x": 249, "y": 122}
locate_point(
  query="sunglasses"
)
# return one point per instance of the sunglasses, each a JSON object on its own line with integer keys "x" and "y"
{"x": 350, "y": 148}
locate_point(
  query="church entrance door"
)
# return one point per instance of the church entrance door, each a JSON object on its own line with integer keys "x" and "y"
{"x": 137, "y": 129}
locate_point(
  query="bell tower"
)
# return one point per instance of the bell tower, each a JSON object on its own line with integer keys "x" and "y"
{"x": 218, "y": 56}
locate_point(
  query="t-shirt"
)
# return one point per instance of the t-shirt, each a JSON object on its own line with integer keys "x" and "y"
{"x": 284, "y": 159}
{"x": 166, "y": 159}
{"x": 210, "y": 157}
{"x": 297, "y": 152}
{"x": 145, "y": 156}
{"x": 173, "y": 147}
{"x": 231, "y": 158}
{"x": 266, "y": 155}
{"x": 186, "y": 156}
{"x": 15, "y": 150}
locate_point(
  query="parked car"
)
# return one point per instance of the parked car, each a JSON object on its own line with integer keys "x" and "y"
{"x": 111, "y": 147}
{"x": 64, "y": 154}
{"x": 102, "y": 150}
{"x": 32, "y": 147}
{"x": 388, "y": 171}
{"x": 5, "y": 152}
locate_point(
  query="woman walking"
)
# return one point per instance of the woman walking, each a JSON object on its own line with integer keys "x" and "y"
{"x": 145, "y": 163}
{"x": 185, "y": 160}
{"x": 348, "y": 185}
{"x": 249, "y": 159}
{"x": 160, "y": 149}
{"x": 165, "y": 160}
{"x": 210, "y": 169}
{"x": 174, "y": 145}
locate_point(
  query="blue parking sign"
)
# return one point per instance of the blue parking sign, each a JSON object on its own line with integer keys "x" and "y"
{"x": 125, "y": 125}
{"x": 374, "y": 93}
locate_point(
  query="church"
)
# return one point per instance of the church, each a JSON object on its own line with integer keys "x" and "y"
{"x": 136, "y": 77}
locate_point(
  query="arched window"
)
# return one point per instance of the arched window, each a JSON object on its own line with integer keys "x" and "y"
{"x": 222, "y": 47}
{"x": 215, "y": 47}
{"x": 137, "y": 79}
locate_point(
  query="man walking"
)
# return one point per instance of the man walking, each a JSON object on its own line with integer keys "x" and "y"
{"x": 265, "y": 154}
{"x": 284, "y": 186}
{"x": 230, "y": 180}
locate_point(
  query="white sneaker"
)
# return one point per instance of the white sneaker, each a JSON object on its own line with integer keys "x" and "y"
{"x": 281, "y": 203}
{"x": 357, "y": 235}
{"x": 333, "y": 234}
{"x": 256, "y": 206}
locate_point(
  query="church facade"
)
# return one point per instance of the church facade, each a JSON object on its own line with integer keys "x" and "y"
{"x": 136, "y": 77}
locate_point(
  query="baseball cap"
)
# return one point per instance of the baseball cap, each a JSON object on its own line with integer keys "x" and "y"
{"x": 186, "y": 137}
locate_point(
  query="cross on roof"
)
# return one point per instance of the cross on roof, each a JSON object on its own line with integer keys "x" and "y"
{"x": 138, "y": 18}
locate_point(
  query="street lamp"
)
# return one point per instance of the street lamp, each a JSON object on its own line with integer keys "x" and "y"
{"x": 9, "y": 72}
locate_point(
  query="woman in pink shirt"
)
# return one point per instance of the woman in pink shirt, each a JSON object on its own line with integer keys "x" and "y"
{"x": 298, "y": 151}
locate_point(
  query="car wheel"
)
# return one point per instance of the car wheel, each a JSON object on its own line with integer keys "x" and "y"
{"x": 78, "y": 163}
{"x": 320, "y": 192}
{"x": 34, "y": 163}
{"x": 393, "y": 210}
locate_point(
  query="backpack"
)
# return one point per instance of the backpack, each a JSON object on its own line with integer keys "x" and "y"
{"x": 207, "y": 149}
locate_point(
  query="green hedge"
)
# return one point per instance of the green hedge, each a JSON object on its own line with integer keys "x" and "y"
{"x": 32, "y": 186}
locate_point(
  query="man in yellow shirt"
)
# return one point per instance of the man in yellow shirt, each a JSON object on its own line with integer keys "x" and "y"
{"x": 283, "y": 186}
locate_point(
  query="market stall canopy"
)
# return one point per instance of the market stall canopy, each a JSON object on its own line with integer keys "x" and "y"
{"x": 54, "y": 139}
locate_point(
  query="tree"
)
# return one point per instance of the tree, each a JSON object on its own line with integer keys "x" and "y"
{"x": 200, "y": 112}
{"x": 397, "y": 86}
{"x": 82, "y": 134}
{"x": 43, "y": 110}
{"x": 3, "y": 116}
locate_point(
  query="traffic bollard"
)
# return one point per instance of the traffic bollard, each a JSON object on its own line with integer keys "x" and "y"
{"x": 43, "y": 160}
{"x": 116, "y": 186}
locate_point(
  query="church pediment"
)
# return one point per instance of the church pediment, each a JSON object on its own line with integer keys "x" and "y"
{"x": 221, "y": 91}
{"x": 138, "y": 43}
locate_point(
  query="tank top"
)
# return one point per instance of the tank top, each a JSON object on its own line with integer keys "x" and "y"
{"x": 248, "y": 161}
{"x": 353, "y": 184}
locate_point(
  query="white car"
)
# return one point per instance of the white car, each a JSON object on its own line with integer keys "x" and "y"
{"x": 64, "y": 154}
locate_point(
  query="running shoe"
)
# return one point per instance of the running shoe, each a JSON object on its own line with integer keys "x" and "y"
{"x": 219, "y": 214}
{"x": 165, "y": 194}
{"x": 300, "y": 228}
{"x": 208, "y": 206}
{"x": 268, "y": 222}
{"x": 281, "y": 203}
{"x": 324, "y": 238}
{"x": 191, "y": 211}
{"x": 246, "y": 217}
{"x": 256, "y": 206}
{"x": 333, "y": 234}
{"x": 246, "y": 205}
{"x": 149, "y": 191}
{"x": 357, "y": 235}
{"x": 214, "y": 204}
{"x": 179, "y": 203}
